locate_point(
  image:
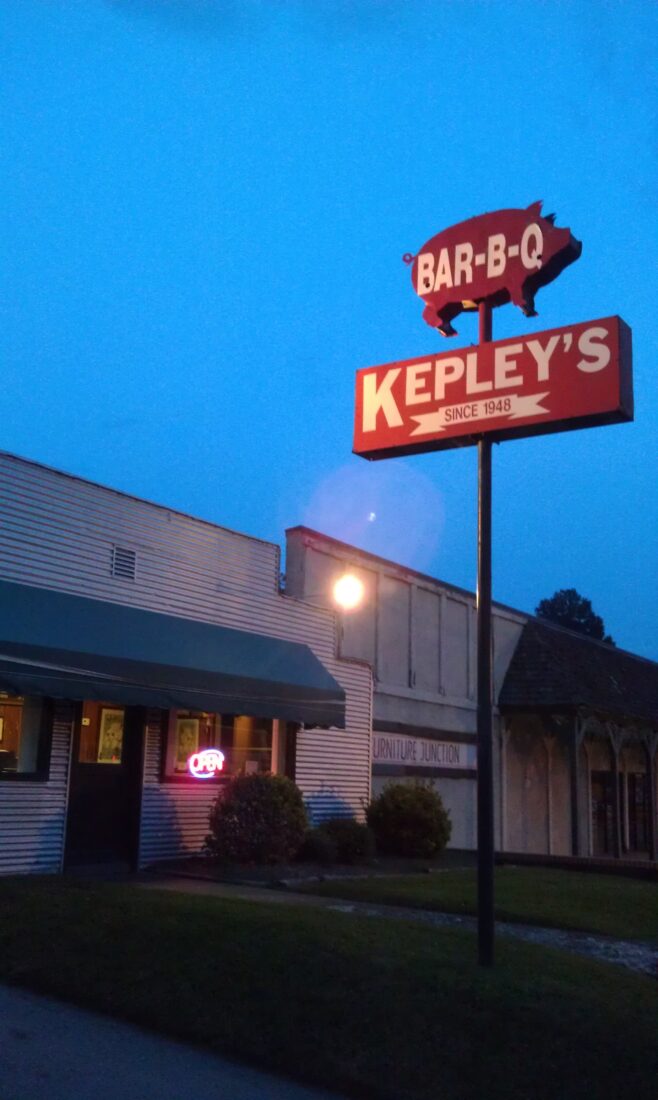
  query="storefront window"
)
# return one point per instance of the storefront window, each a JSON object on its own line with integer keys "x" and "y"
{"x": 20, "y": 736}
{"x": 101, "y": 734}
{"x": 251, "y": 748}
{"x": 244, "y": 742}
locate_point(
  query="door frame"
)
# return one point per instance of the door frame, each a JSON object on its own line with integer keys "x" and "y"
{"x": 135, "y": 739}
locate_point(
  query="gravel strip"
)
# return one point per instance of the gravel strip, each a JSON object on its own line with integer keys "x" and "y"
{"x": 639, "y": 957}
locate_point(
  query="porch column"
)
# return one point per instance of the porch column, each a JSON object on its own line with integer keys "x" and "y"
{"x": 589, "y": 838}
{"x": 549, "y": 745}
{"x": 575, "y": 741}
{"x": 650, "y": 746}
{"x": 505, "y": 733}
{"x": 616, "y": 739}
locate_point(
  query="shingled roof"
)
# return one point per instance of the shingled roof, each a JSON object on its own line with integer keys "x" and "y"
{"x": 554, "y": 667}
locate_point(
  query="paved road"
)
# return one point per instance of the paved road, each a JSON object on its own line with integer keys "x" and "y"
{"x": 52, "y": 1051}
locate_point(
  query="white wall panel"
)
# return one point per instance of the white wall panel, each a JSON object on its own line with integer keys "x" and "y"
{"x": 455, "y": 649}
{"x": 358, "y": 636}
{"x": 393, "y": 626}
{"x": 426, "y": 650}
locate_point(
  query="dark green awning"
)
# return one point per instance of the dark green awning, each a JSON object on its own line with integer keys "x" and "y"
{"x": 70, "y": 647}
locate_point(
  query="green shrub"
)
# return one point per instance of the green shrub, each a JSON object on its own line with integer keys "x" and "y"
{"x": 409, "y": 819}
{"x": 354, "y": 842}
{"x": 257, "y": 819}
{"x": 318, "y": 847}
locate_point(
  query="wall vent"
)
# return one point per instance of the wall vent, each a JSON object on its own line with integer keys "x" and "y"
{"x": 124, "y": 563}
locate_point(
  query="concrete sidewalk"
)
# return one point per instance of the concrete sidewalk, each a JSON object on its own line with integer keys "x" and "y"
{"x": 52, "y": 1051}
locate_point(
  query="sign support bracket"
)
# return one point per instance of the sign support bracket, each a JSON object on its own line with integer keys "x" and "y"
{"x": 485, "y": 801}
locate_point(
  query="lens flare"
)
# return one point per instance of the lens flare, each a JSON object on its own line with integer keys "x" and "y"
{"x": 392, "y": 509}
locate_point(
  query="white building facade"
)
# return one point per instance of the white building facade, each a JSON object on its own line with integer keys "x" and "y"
{"x": 136, "y": 640}
{"x": 574, "y": 755}
{"x": 133, "y": 635}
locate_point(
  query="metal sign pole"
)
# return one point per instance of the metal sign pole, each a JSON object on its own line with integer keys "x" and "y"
{"x": 484, "y": 689}
{"x": 584, "y": 373}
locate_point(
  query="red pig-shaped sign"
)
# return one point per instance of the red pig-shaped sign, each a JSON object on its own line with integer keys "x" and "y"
{"x": 500, "y": 257}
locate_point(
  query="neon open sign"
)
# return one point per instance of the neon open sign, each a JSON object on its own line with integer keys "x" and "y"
{"x": 205, "y": 764}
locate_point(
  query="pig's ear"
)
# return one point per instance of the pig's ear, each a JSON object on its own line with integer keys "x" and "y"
{"x": 535, "y": 208}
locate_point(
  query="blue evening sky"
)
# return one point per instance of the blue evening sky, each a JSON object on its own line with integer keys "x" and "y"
{"x": 204, "y": 208}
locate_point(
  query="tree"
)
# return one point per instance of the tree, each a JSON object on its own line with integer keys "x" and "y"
{"x": 568, "y": 608}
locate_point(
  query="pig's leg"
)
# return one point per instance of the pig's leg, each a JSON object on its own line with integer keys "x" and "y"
{"x": 441, "y": 318}
{"x": 430, "y": 317}
{"x": 524, "y": 299}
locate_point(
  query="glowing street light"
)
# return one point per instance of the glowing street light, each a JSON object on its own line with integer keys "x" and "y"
{"x": 348, "y": 592}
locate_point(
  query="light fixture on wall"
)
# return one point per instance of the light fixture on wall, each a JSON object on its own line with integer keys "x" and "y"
{"x": 345, "y": 593}
{"x": 348, "y": 592}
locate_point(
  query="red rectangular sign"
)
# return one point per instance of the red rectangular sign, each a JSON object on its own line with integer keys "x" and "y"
{"x": 578, "y": 376}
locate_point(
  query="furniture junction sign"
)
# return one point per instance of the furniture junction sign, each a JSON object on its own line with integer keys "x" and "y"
{"x": 390, "y": 748}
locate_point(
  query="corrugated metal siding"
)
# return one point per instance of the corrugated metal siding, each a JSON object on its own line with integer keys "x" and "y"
{"x": 331, "y": 764}
{"x": 33, "y": 814}
{"x": 418, "y": 632}
{"x": 58, "y": 532}
{"x": 174, "y": 815}
{"x": 332, "y": 770}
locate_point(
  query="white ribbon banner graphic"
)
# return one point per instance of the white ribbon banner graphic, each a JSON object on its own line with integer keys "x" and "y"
{"x": 513, "y": 407}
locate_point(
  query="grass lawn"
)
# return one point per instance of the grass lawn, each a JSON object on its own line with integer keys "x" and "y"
{"x": 621, "y": 907}
{"x": 381, "y": 1009}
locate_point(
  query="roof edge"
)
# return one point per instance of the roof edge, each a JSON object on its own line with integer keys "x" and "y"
{"x": 527, "y": 616}
{"x": 138, "y": 499}
{"x": 399, "y": 567}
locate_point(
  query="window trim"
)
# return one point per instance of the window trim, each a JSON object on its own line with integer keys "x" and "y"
{"x": 167, "y": 740}
{"x": 41, "y": 774}
{"x": 168, "y": 733}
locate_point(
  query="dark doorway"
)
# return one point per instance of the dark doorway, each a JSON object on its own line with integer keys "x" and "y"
{"x": 603, "y": 814}
{"x": 104, "y": 796}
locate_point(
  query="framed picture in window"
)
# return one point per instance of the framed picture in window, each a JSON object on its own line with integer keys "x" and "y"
{"x": 110, "y": 736}
{"x": 187, "y": 741}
